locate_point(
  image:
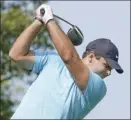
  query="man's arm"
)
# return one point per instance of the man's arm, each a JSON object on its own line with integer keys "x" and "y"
{"x": 20, "y": 50}
{"x": 69, "y": 55}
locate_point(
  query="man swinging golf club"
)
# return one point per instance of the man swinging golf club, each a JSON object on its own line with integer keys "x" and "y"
{"x": 67, "y": 87}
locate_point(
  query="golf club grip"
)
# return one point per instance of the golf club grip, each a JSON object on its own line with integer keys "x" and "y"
{"x": 42, "y": 11}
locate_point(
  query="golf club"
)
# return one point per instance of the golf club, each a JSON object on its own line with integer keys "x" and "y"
{"x": 74, "y": 33}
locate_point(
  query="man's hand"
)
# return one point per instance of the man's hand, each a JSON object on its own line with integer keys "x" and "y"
{"x": 48, "y": 15}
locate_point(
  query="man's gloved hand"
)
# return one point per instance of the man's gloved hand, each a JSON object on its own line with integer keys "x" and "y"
{"x": 48, "y": 15}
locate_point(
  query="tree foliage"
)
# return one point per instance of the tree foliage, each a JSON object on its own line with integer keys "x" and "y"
{"x": 14, "y": 19}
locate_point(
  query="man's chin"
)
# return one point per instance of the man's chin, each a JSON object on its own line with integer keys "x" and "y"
{"x": 100, "y": 75}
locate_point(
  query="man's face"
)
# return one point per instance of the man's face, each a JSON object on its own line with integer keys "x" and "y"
{"x": 100, "y": 66}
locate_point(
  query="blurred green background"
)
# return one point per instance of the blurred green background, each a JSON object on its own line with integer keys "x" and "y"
{"x": 15, "y": 17}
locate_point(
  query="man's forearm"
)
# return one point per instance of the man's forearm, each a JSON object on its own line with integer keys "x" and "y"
{"x": 23, "y": 42}
{"x": 62, "y": 43}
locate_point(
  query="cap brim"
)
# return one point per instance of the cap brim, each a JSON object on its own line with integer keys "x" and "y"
{"x": 115, "y": 65}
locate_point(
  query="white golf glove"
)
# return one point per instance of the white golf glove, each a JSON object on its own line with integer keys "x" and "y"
{"x": 48, "y": 15}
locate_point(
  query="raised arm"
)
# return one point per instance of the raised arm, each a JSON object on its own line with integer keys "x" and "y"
{"x": 65, "y": 49}
{"x": 69, "y": 55}
{"x": 20, "y": 50}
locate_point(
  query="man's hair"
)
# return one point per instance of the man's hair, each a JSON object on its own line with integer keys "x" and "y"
{"x": 86, "y": 53}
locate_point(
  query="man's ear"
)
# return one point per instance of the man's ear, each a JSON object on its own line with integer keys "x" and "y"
{"x": 91, "y": 56}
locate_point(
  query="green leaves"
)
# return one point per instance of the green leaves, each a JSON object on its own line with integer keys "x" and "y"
{"x": 14, "y": 19}
{"x": 13, "y": 22}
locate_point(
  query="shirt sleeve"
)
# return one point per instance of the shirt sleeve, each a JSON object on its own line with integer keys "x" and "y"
{"x": 95, "y": 90}
{"x": 42, "y": 59}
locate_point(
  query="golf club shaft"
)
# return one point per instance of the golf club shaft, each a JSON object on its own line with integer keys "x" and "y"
{"x": 63, "y": 20}
{"x": 43, "y": 12}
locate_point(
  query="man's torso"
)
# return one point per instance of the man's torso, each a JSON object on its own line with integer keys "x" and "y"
{"x": 54, "y": 94}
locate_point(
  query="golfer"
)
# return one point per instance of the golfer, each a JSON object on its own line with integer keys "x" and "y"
{"x": 67, "y": 86}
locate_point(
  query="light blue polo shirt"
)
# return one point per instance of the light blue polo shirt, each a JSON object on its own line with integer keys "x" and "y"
{"x": 55, "y": 95}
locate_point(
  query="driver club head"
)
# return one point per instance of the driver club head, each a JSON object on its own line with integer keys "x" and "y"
{"x": 75, "y": 35}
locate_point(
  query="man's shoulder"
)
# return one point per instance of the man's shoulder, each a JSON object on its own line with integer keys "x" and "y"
{"x": 96, "y": 87}
{"x": 50, "y": 54}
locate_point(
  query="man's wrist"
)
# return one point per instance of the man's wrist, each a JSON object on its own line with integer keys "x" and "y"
{"x": 50, "y": 23}
{"x": 38, "y": 22}
{"x": 37, "y": 18}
